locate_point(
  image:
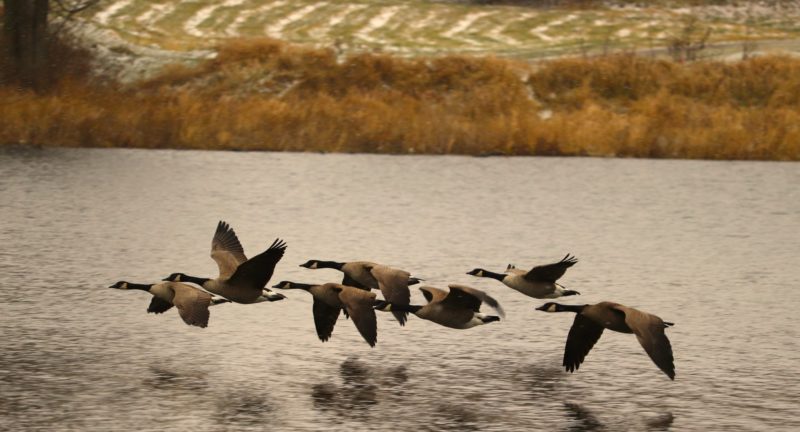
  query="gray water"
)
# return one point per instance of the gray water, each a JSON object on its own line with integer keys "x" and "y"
{"x": 711, "y": 246}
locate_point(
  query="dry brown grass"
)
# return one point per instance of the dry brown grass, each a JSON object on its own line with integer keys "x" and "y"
{"x": 266, "y": 95}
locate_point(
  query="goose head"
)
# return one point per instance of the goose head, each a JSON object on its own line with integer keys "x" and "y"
{"x": 175, "y": 277}
{"x": 477, "y": 272}
{"x": 550, "y": 307}
{"x": 120, "y": 285}
{"x": 310, "y": 264}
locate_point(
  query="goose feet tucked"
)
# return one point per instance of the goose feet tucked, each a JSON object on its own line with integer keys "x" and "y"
{"x": 271, "y": 296}
{"x": 218, "y": 300}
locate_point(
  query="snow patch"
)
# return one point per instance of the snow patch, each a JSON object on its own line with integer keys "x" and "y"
{"x": 105, "y": 16}
{"x": 377, "y": 22}
{"x": 276, "y": 30}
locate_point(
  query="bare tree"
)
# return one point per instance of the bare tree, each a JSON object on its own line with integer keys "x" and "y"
{"x": 26, "y": 33}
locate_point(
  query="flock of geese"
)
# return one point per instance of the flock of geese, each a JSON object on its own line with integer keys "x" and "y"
{"x": 243, "y": 280}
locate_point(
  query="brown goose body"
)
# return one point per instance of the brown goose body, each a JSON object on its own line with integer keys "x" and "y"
{"x": 393, "y": 283}
{"x": 591, "y": 320}
{"x": 458, "y": 308}
{"x": 240, "y": 280}
{"x": 192, "y": 303}
{"x": 538, "y": 282}
{"x": 330, "y": 299}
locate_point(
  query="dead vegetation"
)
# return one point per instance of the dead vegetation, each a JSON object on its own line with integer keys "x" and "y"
{"x": 267, "y": 95}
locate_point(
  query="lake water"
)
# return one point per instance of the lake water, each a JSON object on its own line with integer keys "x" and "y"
{"x": 711, "y": 246}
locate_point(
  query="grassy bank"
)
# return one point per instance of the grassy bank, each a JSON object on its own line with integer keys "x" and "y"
{"x": 267, "y": 95}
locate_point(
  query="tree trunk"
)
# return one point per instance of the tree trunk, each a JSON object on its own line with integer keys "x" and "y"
{"x": 25, "y": 27}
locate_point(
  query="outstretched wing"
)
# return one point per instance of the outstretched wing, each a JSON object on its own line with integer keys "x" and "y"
{"x": 582, "y": 337}
{"x": 324, "y": 319}
{"x": 393, "y": 284}
{"x": 359, "y": 305}
{"x": 433, "y": 294}
{"x": 649, "y": 330}
{"x": 464, "y": 296}
{"x": 256, "y": 272}
{"x": 551, "y": 272}
{"x": 226, "y": 250}
{"x": 192, "y": 304}
{"x": 158, "y": 306}
{"x": 353, "y": 283}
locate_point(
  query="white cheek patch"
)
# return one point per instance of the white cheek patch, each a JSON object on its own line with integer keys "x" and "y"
{"x": 125, "y": 285}
{"x": 480, "y": 273}
{"x": 552, "y": 308}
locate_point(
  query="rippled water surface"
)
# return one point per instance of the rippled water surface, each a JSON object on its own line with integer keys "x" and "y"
{"x": 712, "y": 246}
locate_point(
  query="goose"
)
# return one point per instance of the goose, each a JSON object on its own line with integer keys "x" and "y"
{"x": 591, "y": 320}
{"x": 192, "y": 303}
{"x": 330, "y": 298}
{"x": 393, "y": 283}
{"x": 539, "y": 282}
{"x": 240, "y": 280}
{"x": 458, "y": 309}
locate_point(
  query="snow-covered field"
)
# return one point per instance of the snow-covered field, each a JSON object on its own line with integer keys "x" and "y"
{"x": 412, "y": 27}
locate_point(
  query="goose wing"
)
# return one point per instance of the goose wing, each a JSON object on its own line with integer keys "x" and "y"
{"x": 582, "y": 337}
{"x": 353, "y": 283}
{"x": 433, "y": 294}
{"x": 551, "y": 272}
{"x": 649, "y": 330}
{"x": 359, "y": 304}
{"x": 226, "y": 250}
{"x": 393, "y": 284}
{"x": 325, "y": 317}
{"x": 464, "y": 296}
{"x": 192, "y": 304}
{"x": 256, "y": 272}
{"x": 158, "y": 306}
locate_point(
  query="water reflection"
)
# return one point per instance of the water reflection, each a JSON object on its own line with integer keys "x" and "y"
{"x": 662, "y": 422}
{"x": 170, "y": 380}
{"x": 358, "y": 391}
{"x": 582, "y": 419}
{"x": 242, "y": 409}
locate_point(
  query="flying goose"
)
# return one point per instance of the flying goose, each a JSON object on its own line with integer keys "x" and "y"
{"x": 393, "y": 283}
{"x": 330, "y": 298}
{"x": 240, "y": 280}
{"x": 458, "y": 309}
{"x": 539, "y": 282}
{"x": 592, "y": 319}
{"x": 192, "y": 303}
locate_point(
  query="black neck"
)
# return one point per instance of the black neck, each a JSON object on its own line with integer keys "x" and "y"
{"x": 196, "y": 280}
{"x": 405, "y": 308}
{"x": 569, "y": 308}
{"x": 493, "y": 275}
{"x": 143, "y": 287}
{"x": 302, "y": 286}
{"x": 330, "y": 264}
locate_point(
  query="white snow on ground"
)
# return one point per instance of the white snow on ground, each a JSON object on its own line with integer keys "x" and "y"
{"x": 155, "y": 13}
{"x": 540, "y": 32}
{"x": 190, "y": 26}
{"x": 105, "y": 16}
{"x": 497, "y": 32}
{"x": 334, "y": 20}
{"x": 276, "y": 29}
{"x": 244, "y": 15}
{"x": 377, "y": 22}
{"x": 465, "y": 23}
